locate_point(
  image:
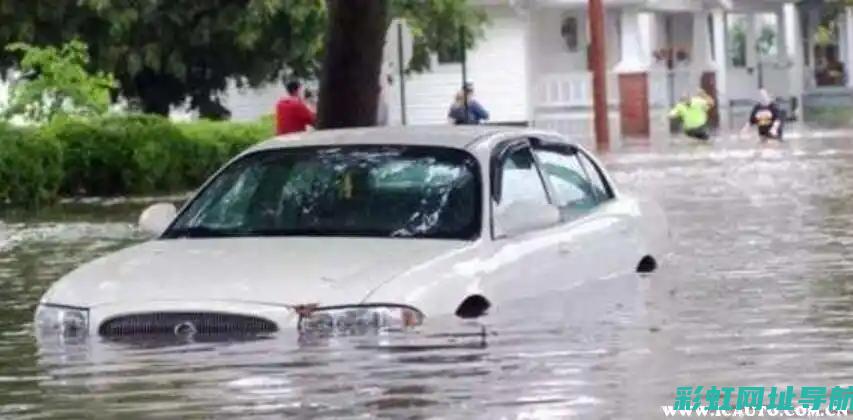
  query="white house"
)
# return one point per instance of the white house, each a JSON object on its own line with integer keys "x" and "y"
{"x": 531, "y": 66}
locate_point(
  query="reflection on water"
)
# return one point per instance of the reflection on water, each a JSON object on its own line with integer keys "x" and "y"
{"x": 757, "y": 292}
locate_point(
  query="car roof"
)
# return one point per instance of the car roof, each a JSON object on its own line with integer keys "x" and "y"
{"x": 464, "y": 137}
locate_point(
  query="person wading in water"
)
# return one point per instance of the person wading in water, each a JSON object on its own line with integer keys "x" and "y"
{"x": 693, "y": 114}
{"x": 766, "y": 117}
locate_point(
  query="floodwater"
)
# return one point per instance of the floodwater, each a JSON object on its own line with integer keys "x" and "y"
{"x": 758, "y": 291}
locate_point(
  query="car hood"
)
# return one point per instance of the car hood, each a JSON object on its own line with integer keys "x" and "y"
{"x": 279, "y": 271}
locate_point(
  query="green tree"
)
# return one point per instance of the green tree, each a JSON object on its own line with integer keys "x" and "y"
{"x": 435, "y": 26}
{"x": 165, "y": 53}
{"x": 349, "y": 85}
{"x": 55, "y": 82}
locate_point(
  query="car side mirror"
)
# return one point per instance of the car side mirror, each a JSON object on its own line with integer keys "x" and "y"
{"x": 156, "y": 218}
{"x": 523, "y": 216}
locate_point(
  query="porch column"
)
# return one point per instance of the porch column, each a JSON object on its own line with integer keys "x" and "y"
{"x": 702, "y": 59}
{"x": 848, "y": 29}
{"x": 751, "y": 41}
{"x": 782, "y": 31}
{"x": 813, "y": 15}
{"x": 702, "y": 66}
{"x": 797, "y": 74}
{"x": 721, "y": 63}
{"x": 633, "y": 71}
{"x": 530, "y": 54}
{"x": 843, "y": 44}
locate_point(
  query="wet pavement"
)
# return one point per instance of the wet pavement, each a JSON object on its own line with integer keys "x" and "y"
{"x": 757, "y": 291}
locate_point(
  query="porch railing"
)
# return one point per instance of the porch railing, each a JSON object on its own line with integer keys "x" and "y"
{"x": 565, "y": 89}
{"x": 572, "y": 89}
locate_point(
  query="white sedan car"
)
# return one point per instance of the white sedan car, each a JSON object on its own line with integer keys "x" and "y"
{"x": 346, "y": 230}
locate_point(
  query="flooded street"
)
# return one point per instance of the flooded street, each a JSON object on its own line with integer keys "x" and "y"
{"x": 757, "y": 291}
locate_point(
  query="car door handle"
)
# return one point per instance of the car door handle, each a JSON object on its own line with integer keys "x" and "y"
{"x": 565, "y": 248}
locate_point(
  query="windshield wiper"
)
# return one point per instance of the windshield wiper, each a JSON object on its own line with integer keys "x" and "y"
{"x": 198, "y": 232}
{"x": 207, "y": 232}
{"x": 318, "y": 232}
{"x": 295, "y": 232}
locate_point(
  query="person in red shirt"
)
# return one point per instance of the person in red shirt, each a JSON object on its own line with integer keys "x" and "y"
{"x": 291, "y": 113}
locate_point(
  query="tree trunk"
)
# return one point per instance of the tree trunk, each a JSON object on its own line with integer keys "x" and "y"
{"x": 155, "y": 106}
{"x": 210, "y": 109}
{"x": 157, "y": 93}
{"x": 349, "y": 83}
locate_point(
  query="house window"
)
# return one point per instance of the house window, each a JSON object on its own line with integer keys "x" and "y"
{"x": 736, "y": 26}
{"x": 830, "y": 70}
{"x": 569, "y": 32}
{"x": 767, "y": 43}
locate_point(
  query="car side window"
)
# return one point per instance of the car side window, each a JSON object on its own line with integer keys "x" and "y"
{"x": 572, "y": 191}
{"x": 519, "y": 180}
{"x": 599, "y": 183}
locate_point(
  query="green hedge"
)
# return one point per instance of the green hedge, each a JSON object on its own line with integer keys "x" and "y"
{"x": 30, "y": 166}
{"x": 212, "y": 143}
{"x": 116, "y": 155}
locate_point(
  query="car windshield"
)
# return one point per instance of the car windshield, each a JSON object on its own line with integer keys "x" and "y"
{"x": 378, "y": 191}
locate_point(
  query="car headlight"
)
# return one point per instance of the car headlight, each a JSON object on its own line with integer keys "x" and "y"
{"x": 359, "y": 319}
{"x": 64, "y": 320}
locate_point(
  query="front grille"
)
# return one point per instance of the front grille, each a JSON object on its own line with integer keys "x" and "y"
{"x": 180, "y": 323}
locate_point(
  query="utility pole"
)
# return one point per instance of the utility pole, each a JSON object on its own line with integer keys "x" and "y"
{"x": 597, "y": 59}
{"x": 402, "y": 68}
{"x": 464, "y": 69}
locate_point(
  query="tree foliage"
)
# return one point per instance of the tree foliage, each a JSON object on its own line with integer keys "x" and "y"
{"x": 436, "y": 26}
{"x": 349, "y": 86}
{"x": 55, "y": 82}
{"x": 164, "y": 53}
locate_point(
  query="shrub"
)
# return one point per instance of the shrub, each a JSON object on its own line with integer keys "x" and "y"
{"x": 116, "y": 155}
{"x": 214, "y": 143}
{"x": 132, "y": 154}
{"x": 155, "y": 145}
{"x": 30, "y": 166}
{"x": 235, "y": 136}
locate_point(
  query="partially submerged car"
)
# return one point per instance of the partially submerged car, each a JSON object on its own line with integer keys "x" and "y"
{"x": 362, "y": 229}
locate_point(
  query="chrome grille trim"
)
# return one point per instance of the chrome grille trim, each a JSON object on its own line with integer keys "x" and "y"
{"x": 175, "y": 323}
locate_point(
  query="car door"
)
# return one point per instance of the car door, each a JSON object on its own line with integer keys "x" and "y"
{"x": 589, "y": 244}
{"x": 519, "y": 265}
{"x": 621, "y": 250}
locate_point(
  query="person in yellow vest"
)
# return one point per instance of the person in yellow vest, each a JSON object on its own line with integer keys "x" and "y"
{"x": 693, "y": 112}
